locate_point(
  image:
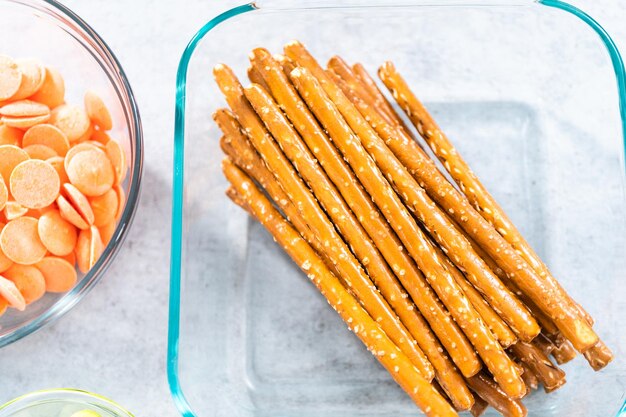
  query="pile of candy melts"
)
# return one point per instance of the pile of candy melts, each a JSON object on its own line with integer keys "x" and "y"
{"x": 61, "y": 193}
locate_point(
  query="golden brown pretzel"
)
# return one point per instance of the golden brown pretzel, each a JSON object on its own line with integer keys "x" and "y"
{"x": 502, "y": 332}
{"x": 342, "y": 70}
{"x": 414, "y": 196}
{"x": 436, "y": 185}
{"x": 530, "y": 274}
{"x": 335, "y": 248}
{"x": 530, "y": 379}
{"x": 336, "y": 208}
{"x": 236, "y": 145}
{"x": 598, "y": 356}
{"x": 486, "y": 389}
{"x": 551, "y": 376}
{"x": 416, "y": 242}
{"x": 381, "y": 101}
{"x": 480, "y": 406}
{"x": 453, "y": 339}
{"x": 358, "y": 320}
{"x": 255, "y": 77}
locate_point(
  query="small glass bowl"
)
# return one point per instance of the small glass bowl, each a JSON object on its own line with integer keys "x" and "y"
{"x": 53, "y": 34}
{"x": 61, "y": 403}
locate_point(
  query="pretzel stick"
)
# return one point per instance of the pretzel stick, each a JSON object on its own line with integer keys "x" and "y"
{"x": 339, "y": 67}
{"x": 286, "y": 63}
{"x": 255, "y": 77}
{"x": 548, "y": 374}
{"x": 480, "y": 406}
{"x": 237, "y": 199}
{"x": 418, "y": 244}
{"x": 358, "y": 320}
{"x": 502, "y": 332}
{"x": 485, "y": 388}
{"x": 360, "y": 203}
{"x": 530, "y": 378}
{"x": 459, "y": 249}
{"x": 381, "y": 101}
{"x": 544, "y": 344}
{"x": 236, "y": 145}
{"x": 465, "y": 178}
{"x": 564, "y": 353}
{"x": 498, "y": 327}
{"x": 598, "y": 356}
{"x": 437, "y": 186}
{"x": 335, "y": 248}
{"x": 330, "y": 199}
{"x": 533, "y": 279}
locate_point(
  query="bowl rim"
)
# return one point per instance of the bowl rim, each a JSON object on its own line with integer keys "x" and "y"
{"x": 174, "y": 381}
{"x": 113, "y": 69}
{"x": 51, "y": 394}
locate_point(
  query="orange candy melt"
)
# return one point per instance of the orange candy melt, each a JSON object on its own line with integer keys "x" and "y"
{"x": 11, "y": 294}
{"x": 10, "y": 156}
{"x": 20, "y": 241}
{"x": 91, "y": 172}
{"x": 89, "y": 247}
{"x": 59, "y": 274}
{"x": 4, "y": 195}
{"x": 57, "y": 234}
{"x": 97, "y": 111}
{"x": 52, "y": 91}
{"x": 35, "y": 184}
{"x": 49, "y": 135}
{"x": 28, "y": 280}
{"x": 104, "y": 208}
{"x": 60, "y": 187}
{"x": 10, "y": 77}
{"x": 71, "y": 120}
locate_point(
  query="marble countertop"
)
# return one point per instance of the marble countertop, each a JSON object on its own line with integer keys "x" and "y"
{"x": 114, "y": 341}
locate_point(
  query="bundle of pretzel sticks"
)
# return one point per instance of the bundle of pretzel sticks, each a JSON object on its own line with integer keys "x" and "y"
{"x": 431, "y": 276}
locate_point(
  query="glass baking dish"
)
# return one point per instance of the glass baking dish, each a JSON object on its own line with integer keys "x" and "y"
{"x": 527, "y": 92}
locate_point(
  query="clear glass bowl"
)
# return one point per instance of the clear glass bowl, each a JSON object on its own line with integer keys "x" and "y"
{"x": 50, "y": 32}
{"x": 60, "y": 403}
{"x": 528, "y": 94}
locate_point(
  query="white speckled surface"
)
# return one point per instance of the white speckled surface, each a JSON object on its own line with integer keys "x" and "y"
{"x": 114, "y": 342}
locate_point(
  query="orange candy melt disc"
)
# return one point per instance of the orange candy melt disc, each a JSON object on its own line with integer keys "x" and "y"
{"x": 71, "y": 120}
{"x": 59, "y": 274}
{"x": 57, "y": 234}
{"x": 88, "y": 248}
{"x": 104, "y": 208}
{"x": 33, "y": 75}
{"x": 91, "y": 172}
{"x": 4, "y": 195}
{"x": 70, "y": 214}
{"x": 20, "y": 241}
{"x": 35, "y": 184}
{"x": 97, "y": 111}
{"x": 52, "y": 91}
{"x": 11, "y": 294}
{"x": 10, "y": 77}
{"x": 49, "y": 135}
{"x": 28, "y": 280}
{"x": 10, "y": 156}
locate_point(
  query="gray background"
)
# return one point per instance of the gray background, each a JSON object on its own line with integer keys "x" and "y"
{"x": 114, "y": 341}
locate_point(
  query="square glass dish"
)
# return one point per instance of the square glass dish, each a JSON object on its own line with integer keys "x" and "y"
{"x": 526, "y": 91}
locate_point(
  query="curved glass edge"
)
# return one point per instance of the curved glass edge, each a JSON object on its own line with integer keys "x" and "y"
{"x": 616, "y": 57}
{"x": 87, "y": 283}
{"x": 65, "y": 391}
{"x": 178, "y": 174}
{"x": 177, "y": 208}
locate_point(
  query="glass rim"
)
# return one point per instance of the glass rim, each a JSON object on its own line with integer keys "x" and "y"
{"x": 49, "y": 394}
{"x": 101, "y": 52}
